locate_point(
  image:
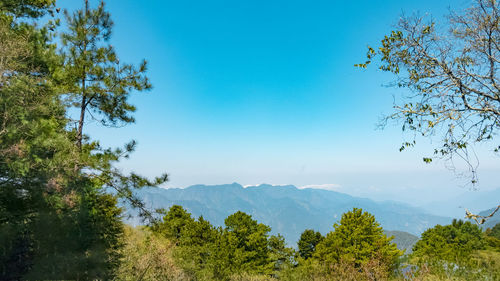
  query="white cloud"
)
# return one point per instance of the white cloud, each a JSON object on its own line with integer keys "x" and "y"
{"x": 327, "y": 186}
{"x": 250, "y": 185}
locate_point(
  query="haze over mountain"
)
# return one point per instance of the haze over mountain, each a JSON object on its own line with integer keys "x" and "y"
{"x": 287, "y": 209}
{"x": 473, "y": 200}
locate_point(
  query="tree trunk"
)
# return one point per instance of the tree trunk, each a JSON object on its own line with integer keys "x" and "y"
{"x": 79, "y": 135}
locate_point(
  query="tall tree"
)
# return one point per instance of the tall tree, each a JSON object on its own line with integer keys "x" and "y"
{"x": 98, "y": 83}
{"x": 95, "y": 82}
{"x": 35, "y": 148}
{"x": 452, "y": 81}
{"x": 56, "y": 222}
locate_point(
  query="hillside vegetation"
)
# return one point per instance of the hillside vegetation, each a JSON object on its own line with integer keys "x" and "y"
{"x": 356, "y": 248}
{"x": 61, "y": 190}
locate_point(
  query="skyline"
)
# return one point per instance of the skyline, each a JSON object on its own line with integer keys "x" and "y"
{"x": 251, "y": 95}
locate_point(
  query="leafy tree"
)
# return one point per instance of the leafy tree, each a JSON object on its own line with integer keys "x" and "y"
{"x": 453, "y": 243}
{"x": 451, "y": 74}
{"x": 452, "y": 251}
{"x": 358, "y": 239}
{"x": 307, "y": 242}
{"x": 208, "y": 253}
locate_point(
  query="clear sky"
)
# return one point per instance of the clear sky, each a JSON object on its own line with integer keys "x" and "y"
{"x": 266, "y": 92}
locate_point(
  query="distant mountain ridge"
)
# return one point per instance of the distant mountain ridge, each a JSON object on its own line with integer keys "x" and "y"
{"x": 287, "y": 209}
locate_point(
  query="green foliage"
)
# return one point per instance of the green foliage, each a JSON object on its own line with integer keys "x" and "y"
{"x": 282, "y": 256}
{"x": 494, "y": 231}
{"x": 246, "y": 242}
{"x": 175, "y": 222}
{"x": 307, "y": 242}
{"x": 56, "y": 220}
{"x": 358, "y": 239}
{"x": 26, "y": 8}
{"x": 242, "y": 248}
{"x": 95, "y": 79}
{"x": 82, "y": 243}
{"x": 356, "y": 250}
{"x": 147, "y": 256}
{"x": 459, "y": 250}
{"x": 453, "y": 243}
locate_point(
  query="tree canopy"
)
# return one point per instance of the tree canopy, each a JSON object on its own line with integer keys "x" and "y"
{"x": 450, "y": 73}
{"x": 357, "y": 239}
{"x": 57, "y": 217}
{"x": 97, "y": 83}
{"x": 454, "y": 243}
{"x": 307, "y": 242}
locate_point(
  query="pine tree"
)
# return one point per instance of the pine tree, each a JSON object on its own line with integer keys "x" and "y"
{"x": 452, "y": 243}
{"x": 57, "y": 222}
{"x": 98, "y": 84}
{"x": 307, "y": 242}
{"x": 358, "y": 239}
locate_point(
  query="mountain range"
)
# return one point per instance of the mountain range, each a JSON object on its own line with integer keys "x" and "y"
{"x": 286, "y": 209}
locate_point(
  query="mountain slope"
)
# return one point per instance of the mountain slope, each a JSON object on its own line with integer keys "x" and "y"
{"x": 286, "y": 209}
{"x": 404, "y": 240}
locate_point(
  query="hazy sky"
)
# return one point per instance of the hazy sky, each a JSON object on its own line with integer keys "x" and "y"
{"x": 266, "y": 92}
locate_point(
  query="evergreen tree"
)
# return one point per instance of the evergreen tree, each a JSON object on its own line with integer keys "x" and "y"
{"x": 459, "y": 250}
{"x": 97, "y": 82}
{"x": 246, "y": 243}
{"x": 281, "y": 256}
{"x": 35, "y": 148}
{"x": 358, "y": 239}
{"x": 197, "y": 249}
{"x": 27, "y": 8}
{"x": 453, "y": 243}
{"x": 175, "y": 223}
{"x": 56, "y": 222}
{"x": 307, "y": 242}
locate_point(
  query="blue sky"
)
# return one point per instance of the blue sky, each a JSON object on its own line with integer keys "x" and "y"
{"x": 265, "y": 91}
